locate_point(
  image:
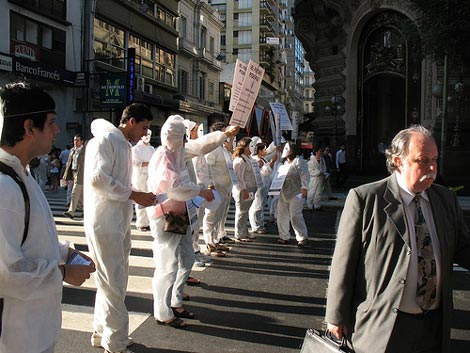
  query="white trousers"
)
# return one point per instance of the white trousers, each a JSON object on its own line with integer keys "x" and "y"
{"x": 173, "y": 255}
{"x": 315, "y": 189}
{"x": 256, "y": 212}
{"x": 200, "y": 216}
{"x": 241, "y": 214}
{"x": 111, "y": 319}
{"x": 141, "y": 219}
{"x": 213, "y": 225}
{"x": 290, "y": 211}
{"x": 273, "y": 206}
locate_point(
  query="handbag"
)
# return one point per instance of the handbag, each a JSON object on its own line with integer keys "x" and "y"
{"x": 321, "y": 342}
{"x": 176, "y": 223}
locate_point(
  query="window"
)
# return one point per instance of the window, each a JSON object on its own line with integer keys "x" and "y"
{"x": 203, "y": 37}
{"x": 166, "y": 17}
{"x": 223, "y": 40}
{"x": 55, "y": 8}
{"x": 245, "y": 4}
{"x": 245, "y": 19}
{"x": 183, "y": 82}
{"x": 212, "y": 45}
{"x": 244, "y": 37}
{"x": 202, "y": 85}
{"x": 143, "y": 55}
{"x": 50, "y": 41}
{"x": 244, "y": 54}
{"x": 165, "y": 67}
{"x": 210, "y": 91}
{"x": 108, "y": 43}
{"x": 183, "y": 27}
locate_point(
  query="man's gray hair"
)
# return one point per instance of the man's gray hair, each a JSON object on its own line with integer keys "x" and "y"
{"x": 401, "y": 142}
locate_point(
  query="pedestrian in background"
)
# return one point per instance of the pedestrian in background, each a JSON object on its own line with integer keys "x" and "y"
{"x": 340, "y": 162}
{"x": 73, "y": 174}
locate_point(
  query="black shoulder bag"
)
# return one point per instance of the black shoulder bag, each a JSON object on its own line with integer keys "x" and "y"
{"x": 5, "y": 169}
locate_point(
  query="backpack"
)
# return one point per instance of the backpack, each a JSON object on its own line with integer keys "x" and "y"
{"x": 5, "y": 169}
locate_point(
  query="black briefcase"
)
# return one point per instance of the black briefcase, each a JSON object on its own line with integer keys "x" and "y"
{"x": 319, "y": 342}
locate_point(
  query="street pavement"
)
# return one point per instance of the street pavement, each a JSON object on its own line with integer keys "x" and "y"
{"x": 259, "y": 299}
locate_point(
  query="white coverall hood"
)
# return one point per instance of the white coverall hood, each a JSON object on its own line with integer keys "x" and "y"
{"x": 146, "y": 138}
{"x": 189, "y": 125}
{"x": 171, "y": 137}
{"x": 254, "y": 141}
{"x": 100, "y": 127}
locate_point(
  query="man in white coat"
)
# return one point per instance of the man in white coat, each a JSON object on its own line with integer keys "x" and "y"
{"x": 107, "y": 220}
{"x": 32, "y": 261}
{"x": 141, "y": 154}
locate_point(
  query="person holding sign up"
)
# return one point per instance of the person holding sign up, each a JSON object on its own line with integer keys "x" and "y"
{"x": 244, "y": 192}
{"x": 172, "y": 250}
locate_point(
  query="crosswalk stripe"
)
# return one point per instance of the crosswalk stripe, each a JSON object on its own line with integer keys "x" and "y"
{"x": 80, "y": 318}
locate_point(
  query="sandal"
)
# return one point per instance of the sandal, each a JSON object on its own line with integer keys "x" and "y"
{"x": 191, "y": 281}
{"x": 243, "y": 240}
{"x": 282, "y": 241}
{"x": 175, "y": 323}
{"x": 186, "y": 297}
{"x": 185, "y": 314}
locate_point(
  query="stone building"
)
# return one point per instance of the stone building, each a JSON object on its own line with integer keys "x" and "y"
{"x": 372, "y": 81}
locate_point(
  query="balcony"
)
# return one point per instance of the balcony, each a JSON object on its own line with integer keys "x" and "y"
{"x": 266, "y": 26}
{"x": 209, "y": 58}
{"x": 187, "y": 47}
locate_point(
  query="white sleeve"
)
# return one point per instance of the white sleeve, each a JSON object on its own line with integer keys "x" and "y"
{"x": 204, "y": 144}
{"x": 239, "y": 169}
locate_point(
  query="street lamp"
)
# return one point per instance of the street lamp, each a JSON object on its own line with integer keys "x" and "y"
{"x": 333, "y": 108}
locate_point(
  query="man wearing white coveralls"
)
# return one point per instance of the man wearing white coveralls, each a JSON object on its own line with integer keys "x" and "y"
{"x": 141, "y": 154}
{"x": 107, "y": 219}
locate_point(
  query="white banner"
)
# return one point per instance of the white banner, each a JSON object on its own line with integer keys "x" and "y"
{"x": 249, "y": 93}
{"x": 295, "y": 125}
{"x": 279, "y": 178}
{"x": 280, "y": 109}
{"x": 238, "y": 76}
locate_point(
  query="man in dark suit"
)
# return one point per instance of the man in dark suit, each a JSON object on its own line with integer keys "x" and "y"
{"x": 397, "y": 241}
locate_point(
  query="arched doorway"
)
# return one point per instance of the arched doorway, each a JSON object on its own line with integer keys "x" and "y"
{"x": 389, "y": 86}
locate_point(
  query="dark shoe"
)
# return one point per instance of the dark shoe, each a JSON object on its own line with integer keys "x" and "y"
{"x": 175, "y": 323}
{"x": 226, "y": 239}
{"x": 302, "y": 243}
{"x": 186, "y": 297}
{"x": 191, "y": 281}
{"x": 185, "y": 314}
{"x": 214, "y": 251}
{"x": 282, "y": 241}
{"x": 67, "y": 214}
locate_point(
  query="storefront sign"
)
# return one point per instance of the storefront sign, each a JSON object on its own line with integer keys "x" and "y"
{"x": 25, "y": 51}
{"x": 6, "y": 63}
{"x": 130, "y": 74}
{"x": 113, "y": 90}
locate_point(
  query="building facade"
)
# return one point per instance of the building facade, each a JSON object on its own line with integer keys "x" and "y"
{"x": 199, "y": 62}
{"x": 131, "y": 56}
{"x": 256, "y": 30}
{"x": 40, "y": 41}
{"x": 365, "y": 61}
